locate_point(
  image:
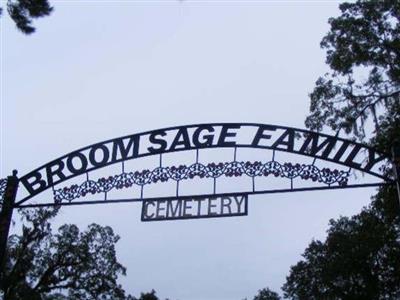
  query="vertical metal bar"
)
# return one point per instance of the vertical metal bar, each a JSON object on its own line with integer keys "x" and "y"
{"x": 396, "y": 167}
{"x": 291, "y": 183}
{"x": 123, "y": 167}
{"x": 5, "y": 218}
{"x": 177, "y": 188}
{"x": 273, "y": 155}
{"x": 254, "y": 185}
{"x": 246, "y": 205}
{"x": 314, "y": 160}
{"x": 215, "y": 185}
{"x": 197, "y": 156}
{"x": 234, "y": 154}
{"x": 141, "y": 192}
{"x": 160, "y": 160}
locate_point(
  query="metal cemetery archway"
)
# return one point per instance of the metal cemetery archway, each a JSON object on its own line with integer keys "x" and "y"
{"x": 319, "y": 146}
{"x": 343, "y": 153}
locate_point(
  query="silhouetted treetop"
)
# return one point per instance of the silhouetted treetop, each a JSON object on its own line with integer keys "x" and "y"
{"x": 78, "y": 264}
{"x": 363, "y": 52}
{"x": 22, "y": 12}
{"x": 359, "y": 258}
{"x": 266, "y": 294}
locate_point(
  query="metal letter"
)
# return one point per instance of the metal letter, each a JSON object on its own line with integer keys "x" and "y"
{"x": 119, "y": 147}
{"x": 261, "y": 135}
{"x": 58, "y": 171}
{"x": 372, "y": 160}
{"x": 211, "y": 206}
{"x": 352, "y": 155}
{"x": 159, "y": 209}
{"x": 199, "y": 200}
{"x": 154, "y": 139}
{"x": 313, "y": 138}
{"x": 185, "y": 142}
{"x": 289, "y": 135}
{"x": 145, "y": 211}
{"x": 72, "y": 168}
{"x": 35, "y": 186}
{"x": 92, "y": 155}
{"x": 228, "y": 205}
{"x": 174, "y": 212}
{"x": 209, "y": 138}
{"x": 239, "y": 203}
{"x": 185, "y": 207}
{"x": 225, "y": 133}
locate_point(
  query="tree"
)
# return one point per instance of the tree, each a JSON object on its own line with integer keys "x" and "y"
{"x": 22, "y": 12}
{"x": 68, "y": 264}
{"x": 148, "y": 296}
{"x": 363, "y": 52}
{"x": 266, "y": 294}
{"x": 359, "y": 259}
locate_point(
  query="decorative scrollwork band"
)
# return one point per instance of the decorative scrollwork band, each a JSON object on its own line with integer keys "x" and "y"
{"x": 211, "y": 170}
{"x": 3, "y": 185}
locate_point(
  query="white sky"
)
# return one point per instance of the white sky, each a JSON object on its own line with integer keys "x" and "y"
{"x": 95, "y": 70}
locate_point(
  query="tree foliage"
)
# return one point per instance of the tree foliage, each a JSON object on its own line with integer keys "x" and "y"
{"x": 358, "y": 260}
{"x": 68, "y": 264}
{"x": 147, "y": 296}
{"x": 22, "y": 12}
{"x": 266, "y": 294}
{"x": 363, "y": 52}
{"x": 360, "y": 257}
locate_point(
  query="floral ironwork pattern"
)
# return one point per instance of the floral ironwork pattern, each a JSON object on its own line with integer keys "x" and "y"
{"x": 3, "y": 185}
{"x": 211, "y": 170}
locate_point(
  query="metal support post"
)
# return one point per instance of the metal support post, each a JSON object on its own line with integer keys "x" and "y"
{"x": 396, "y": 167}
{"x": 5, "y": 217}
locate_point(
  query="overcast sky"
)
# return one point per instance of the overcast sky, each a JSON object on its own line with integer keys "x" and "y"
{"x": 96, "y": 70}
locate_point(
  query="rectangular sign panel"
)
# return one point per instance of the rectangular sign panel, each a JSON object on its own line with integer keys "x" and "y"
{"x": 196, "y": 207}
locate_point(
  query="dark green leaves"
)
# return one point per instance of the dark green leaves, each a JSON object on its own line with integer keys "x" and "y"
{"x": 266, "y": 294}
{"x": 81, "y": 265}
{"x": 24, "y": 11}
{"x": 358, "y": 260}
{"x": 363, "y": 88}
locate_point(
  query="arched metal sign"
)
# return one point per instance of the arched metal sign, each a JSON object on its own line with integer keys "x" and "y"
{"x": 235, "y": 136}
{"x": 344, "y": 153}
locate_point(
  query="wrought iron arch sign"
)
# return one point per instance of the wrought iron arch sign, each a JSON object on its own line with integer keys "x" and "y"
{"x": 342, "y": 152}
